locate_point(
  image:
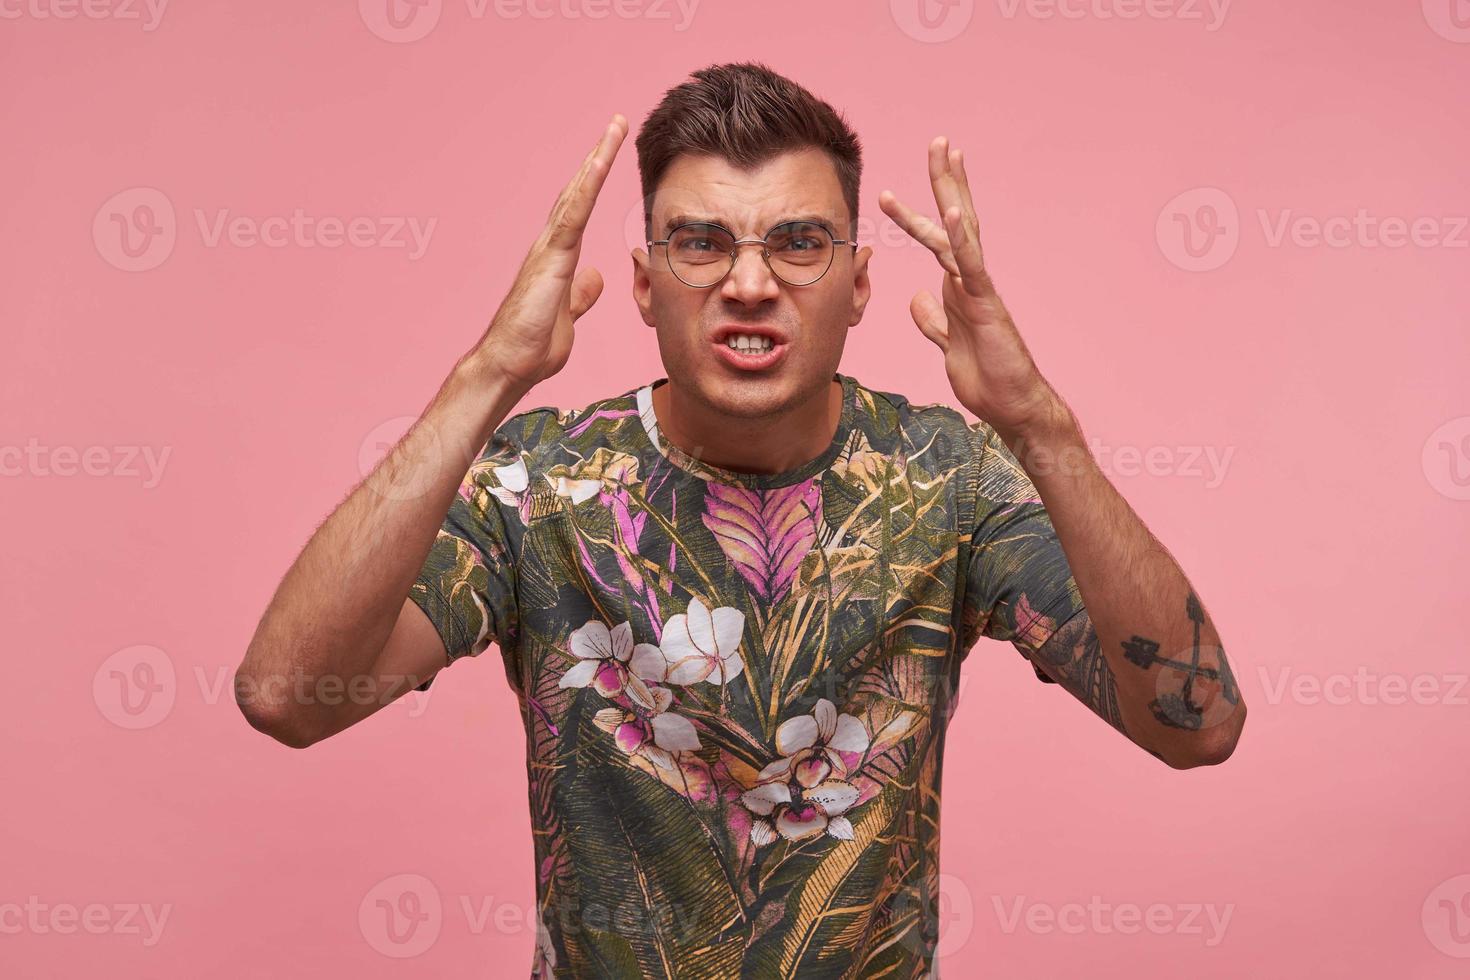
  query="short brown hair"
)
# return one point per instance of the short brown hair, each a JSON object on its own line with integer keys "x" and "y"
{"x": 744, "y": 113}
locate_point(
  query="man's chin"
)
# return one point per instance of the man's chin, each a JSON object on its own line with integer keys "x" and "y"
{"x": 748, "y": 396}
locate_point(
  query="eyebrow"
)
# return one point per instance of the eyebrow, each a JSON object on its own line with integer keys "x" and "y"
{"x": 684, "y": 219}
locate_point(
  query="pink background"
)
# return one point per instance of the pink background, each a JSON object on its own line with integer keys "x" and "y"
{"x": 1330, "y": 549}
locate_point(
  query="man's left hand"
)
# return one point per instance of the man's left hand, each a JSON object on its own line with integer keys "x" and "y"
{"x": 989, "y": 367}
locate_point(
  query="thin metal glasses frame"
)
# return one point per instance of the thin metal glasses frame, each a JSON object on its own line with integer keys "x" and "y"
{"x": 735, "y": 250}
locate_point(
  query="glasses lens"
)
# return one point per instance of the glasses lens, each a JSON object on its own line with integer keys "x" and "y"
{"x": 800, "y": 251}
{"x": 699, "y": 254}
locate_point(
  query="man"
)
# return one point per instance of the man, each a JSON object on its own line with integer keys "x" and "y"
{"x": 734, "y": 602}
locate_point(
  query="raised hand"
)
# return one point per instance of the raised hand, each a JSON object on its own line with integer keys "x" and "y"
{"x": 530, "y": 337}
{"x": 989, "y": 368}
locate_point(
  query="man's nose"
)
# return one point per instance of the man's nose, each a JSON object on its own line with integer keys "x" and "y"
{"x": 750, "y": 280}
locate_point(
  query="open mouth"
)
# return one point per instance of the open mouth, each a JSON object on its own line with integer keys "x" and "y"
{"x": 749, "y": 343}
{"x": 749, "y": 348}
{"x": 750, "y": 351}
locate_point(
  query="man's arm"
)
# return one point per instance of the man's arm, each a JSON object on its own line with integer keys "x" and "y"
{"x": 1145, "y": 655}
{"x": 340, "y": 638}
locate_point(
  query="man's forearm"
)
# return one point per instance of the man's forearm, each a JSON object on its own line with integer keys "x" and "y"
{"x": 340, "y": 599}
{"x": 1146, "y": 656}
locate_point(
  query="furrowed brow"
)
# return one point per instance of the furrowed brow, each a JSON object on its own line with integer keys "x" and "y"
{"x": 689, "y": 219}
{"x": 815, "y": 219}
{"x": 685, "y": 219}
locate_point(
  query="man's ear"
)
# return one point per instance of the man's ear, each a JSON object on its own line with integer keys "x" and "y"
{"x": 642, "y": 285}
{"x": 862, "y": 288}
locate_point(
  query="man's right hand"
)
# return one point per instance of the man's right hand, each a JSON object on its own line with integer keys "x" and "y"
{"x": 341, "y": 613}
{"x": 530, "y": 338}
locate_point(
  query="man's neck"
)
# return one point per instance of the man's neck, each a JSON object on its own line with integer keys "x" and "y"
{"x": 774, "y": 445}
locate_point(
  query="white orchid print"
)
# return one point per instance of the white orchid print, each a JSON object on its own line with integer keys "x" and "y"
{"x": 609, "y": 661}
{"x": 704, "y": 760}
{"x": 514, "y": 489}
{"x": 809, "y": 744}
{"x": 577, "y": 490}
{"x": 803, "y": 794}
{"x": 515, "y": 482}
{"x": 796, "y": 812}
{"x": 647, "y": 728}
{"x": 704, "y": 644}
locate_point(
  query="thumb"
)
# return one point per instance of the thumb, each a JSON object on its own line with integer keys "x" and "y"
{"x": 586, "y": 287}
{"x": 930, "y": 318}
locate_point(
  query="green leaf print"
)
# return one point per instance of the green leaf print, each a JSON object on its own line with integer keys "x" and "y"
{"x": 645, "y": 863}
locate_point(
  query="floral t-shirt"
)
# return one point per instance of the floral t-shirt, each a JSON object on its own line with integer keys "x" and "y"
{"x": 735, "y": 687}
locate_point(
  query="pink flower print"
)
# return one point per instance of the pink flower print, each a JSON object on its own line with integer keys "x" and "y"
{"x": 627, "y": 526}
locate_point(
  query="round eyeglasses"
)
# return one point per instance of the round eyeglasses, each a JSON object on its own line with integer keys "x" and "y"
{"x": 798, "y": 253}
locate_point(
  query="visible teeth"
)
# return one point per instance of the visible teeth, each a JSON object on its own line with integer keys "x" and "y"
{"x": 750, "y": 343}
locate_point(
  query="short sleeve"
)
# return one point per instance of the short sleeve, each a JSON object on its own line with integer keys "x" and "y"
{"x": 1018, "y": 584}
{"x": 467, "y": 585}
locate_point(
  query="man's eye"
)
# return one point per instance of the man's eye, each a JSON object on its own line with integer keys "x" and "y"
{"x": 795, "y": 243}
{"x": 798, "y": 237}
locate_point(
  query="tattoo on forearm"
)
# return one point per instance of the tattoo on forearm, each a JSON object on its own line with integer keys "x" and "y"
{"x": 1182, "y": 710}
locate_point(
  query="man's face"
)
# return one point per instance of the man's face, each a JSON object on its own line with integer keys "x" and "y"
{"x": 809, "y": 323}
